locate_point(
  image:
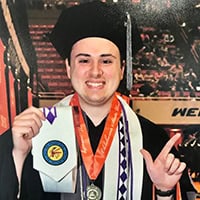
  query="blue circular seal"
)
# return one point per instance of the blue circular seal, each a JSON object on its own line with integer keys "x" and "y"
{"x": 55, "y": 152}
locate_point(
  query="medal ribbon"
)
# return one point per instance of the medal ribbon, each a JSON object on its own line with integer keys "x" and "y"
{"x": 94, "y": 162}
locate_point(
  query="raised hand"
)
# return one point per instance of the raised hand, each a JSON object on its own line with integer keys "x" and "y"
{"x": 25, "y": 126}
{"x": 166, "y": 170}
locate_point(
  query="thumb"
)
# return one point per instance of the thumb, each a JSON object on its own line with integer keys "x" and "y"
{"x": 147, "y": 157}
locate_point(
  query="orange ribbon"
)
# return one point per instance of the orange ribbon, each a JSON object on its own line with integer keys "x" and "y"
{"x": 94, "y": 162}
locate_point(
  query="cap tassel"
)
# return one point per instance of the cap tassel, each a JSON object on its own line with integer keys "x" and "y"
{"x": 129, "y": 75}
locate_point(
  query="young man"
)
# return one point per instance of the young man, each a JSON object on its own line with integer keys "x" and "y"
{"x": 111, "y": 140}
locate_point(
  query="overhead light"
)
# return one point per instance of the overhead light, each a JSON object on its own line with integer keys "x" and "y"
{"x": 183, "y": 24}
{"x": 197, "y": 6}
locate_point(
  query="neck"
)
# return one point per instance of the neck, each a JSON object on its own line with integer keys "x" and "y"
{"x": 96, "y": 113}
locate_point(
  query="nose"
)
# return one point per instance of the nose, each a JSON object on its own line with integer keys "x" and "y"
{"x": 96, "y": 70}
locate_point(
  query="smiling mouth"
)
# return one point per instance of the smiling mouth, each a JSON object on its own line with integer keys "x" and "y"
{"x": 95, "y": 84}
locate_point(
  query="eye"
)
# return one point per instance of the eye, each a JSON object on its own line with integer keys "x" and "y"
{"x": 107, "y": 61}
{"x": 83, "y": 60}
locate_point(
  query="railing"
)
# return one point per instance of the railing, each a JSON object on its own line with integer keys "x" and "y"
{"x": 48, "y": 99}
{"x": 51, "y": 95}
{"x": 166, "y": 98}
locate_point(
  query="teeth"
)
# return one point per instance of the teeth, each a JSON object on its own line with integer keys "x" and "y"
{"x": 94, "y": 84}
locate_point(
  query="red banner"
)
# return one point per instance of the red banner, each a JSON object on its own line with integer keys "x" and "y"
{"x": 12, "y": 99}
{"x": 30, "y": 97}
{"x": 4, "y": 118}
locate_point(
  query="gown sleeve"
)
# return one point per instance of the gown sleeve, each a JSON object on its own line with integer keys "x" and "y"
{"x": 8, "y": 177}
{"x": 31, "y": 187}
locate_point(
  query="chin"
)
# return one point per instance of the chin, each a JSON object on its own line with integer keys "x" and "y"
{"x": 96, "y": 100}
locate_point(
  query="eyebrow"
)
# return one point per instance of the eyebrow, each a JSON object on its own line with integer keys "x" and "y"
{"x": 82, "y": 54}
{"x": 108, "y": 54}
{"x": 88, "y": 55}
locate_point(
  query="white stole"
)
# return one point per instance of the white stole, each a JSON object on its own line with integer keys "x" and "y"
{"x": 54, "y": 151}
{"x": 111, "y": 171}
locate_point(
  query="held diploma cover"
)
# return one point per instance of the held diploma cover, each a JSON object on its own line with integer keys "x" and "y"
{"x": 54, "y": 151}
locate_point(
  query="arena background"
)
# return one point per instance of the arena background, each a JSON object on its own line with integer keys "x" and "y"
{"x": 166, "y": 72}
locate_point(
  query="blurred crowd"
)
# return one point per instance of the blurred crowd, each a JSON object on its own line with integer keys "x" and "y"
{"x": 190, "y": 151}
{"x": 162, "y": 66}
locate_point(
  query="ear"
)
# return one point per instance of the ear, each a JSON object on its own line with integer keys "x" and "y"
{"x": 123, "y": 69}
{"x": 67, "y": 68}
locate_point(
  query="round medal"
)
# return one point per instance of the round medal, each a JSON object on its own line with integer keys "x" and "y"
{"x": 93, "y": 192}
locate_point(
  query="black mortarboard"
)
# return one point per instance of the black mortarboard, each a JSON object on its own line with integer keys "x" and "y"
{"x": 93, "y": 19}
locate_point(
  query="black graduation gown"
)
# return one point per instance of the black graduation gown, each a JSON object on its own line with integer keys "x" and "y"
{"x": 154, "y": 138}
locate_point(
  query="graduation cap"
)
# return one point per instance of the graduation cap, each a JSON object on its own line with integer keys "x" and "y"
{"x": 93, "y": 19}
{"x": 96, "y": 19}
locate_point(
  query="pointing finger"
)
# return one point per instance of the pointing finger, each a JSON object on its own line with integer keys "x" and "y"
{"x": 168, "y": 146}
